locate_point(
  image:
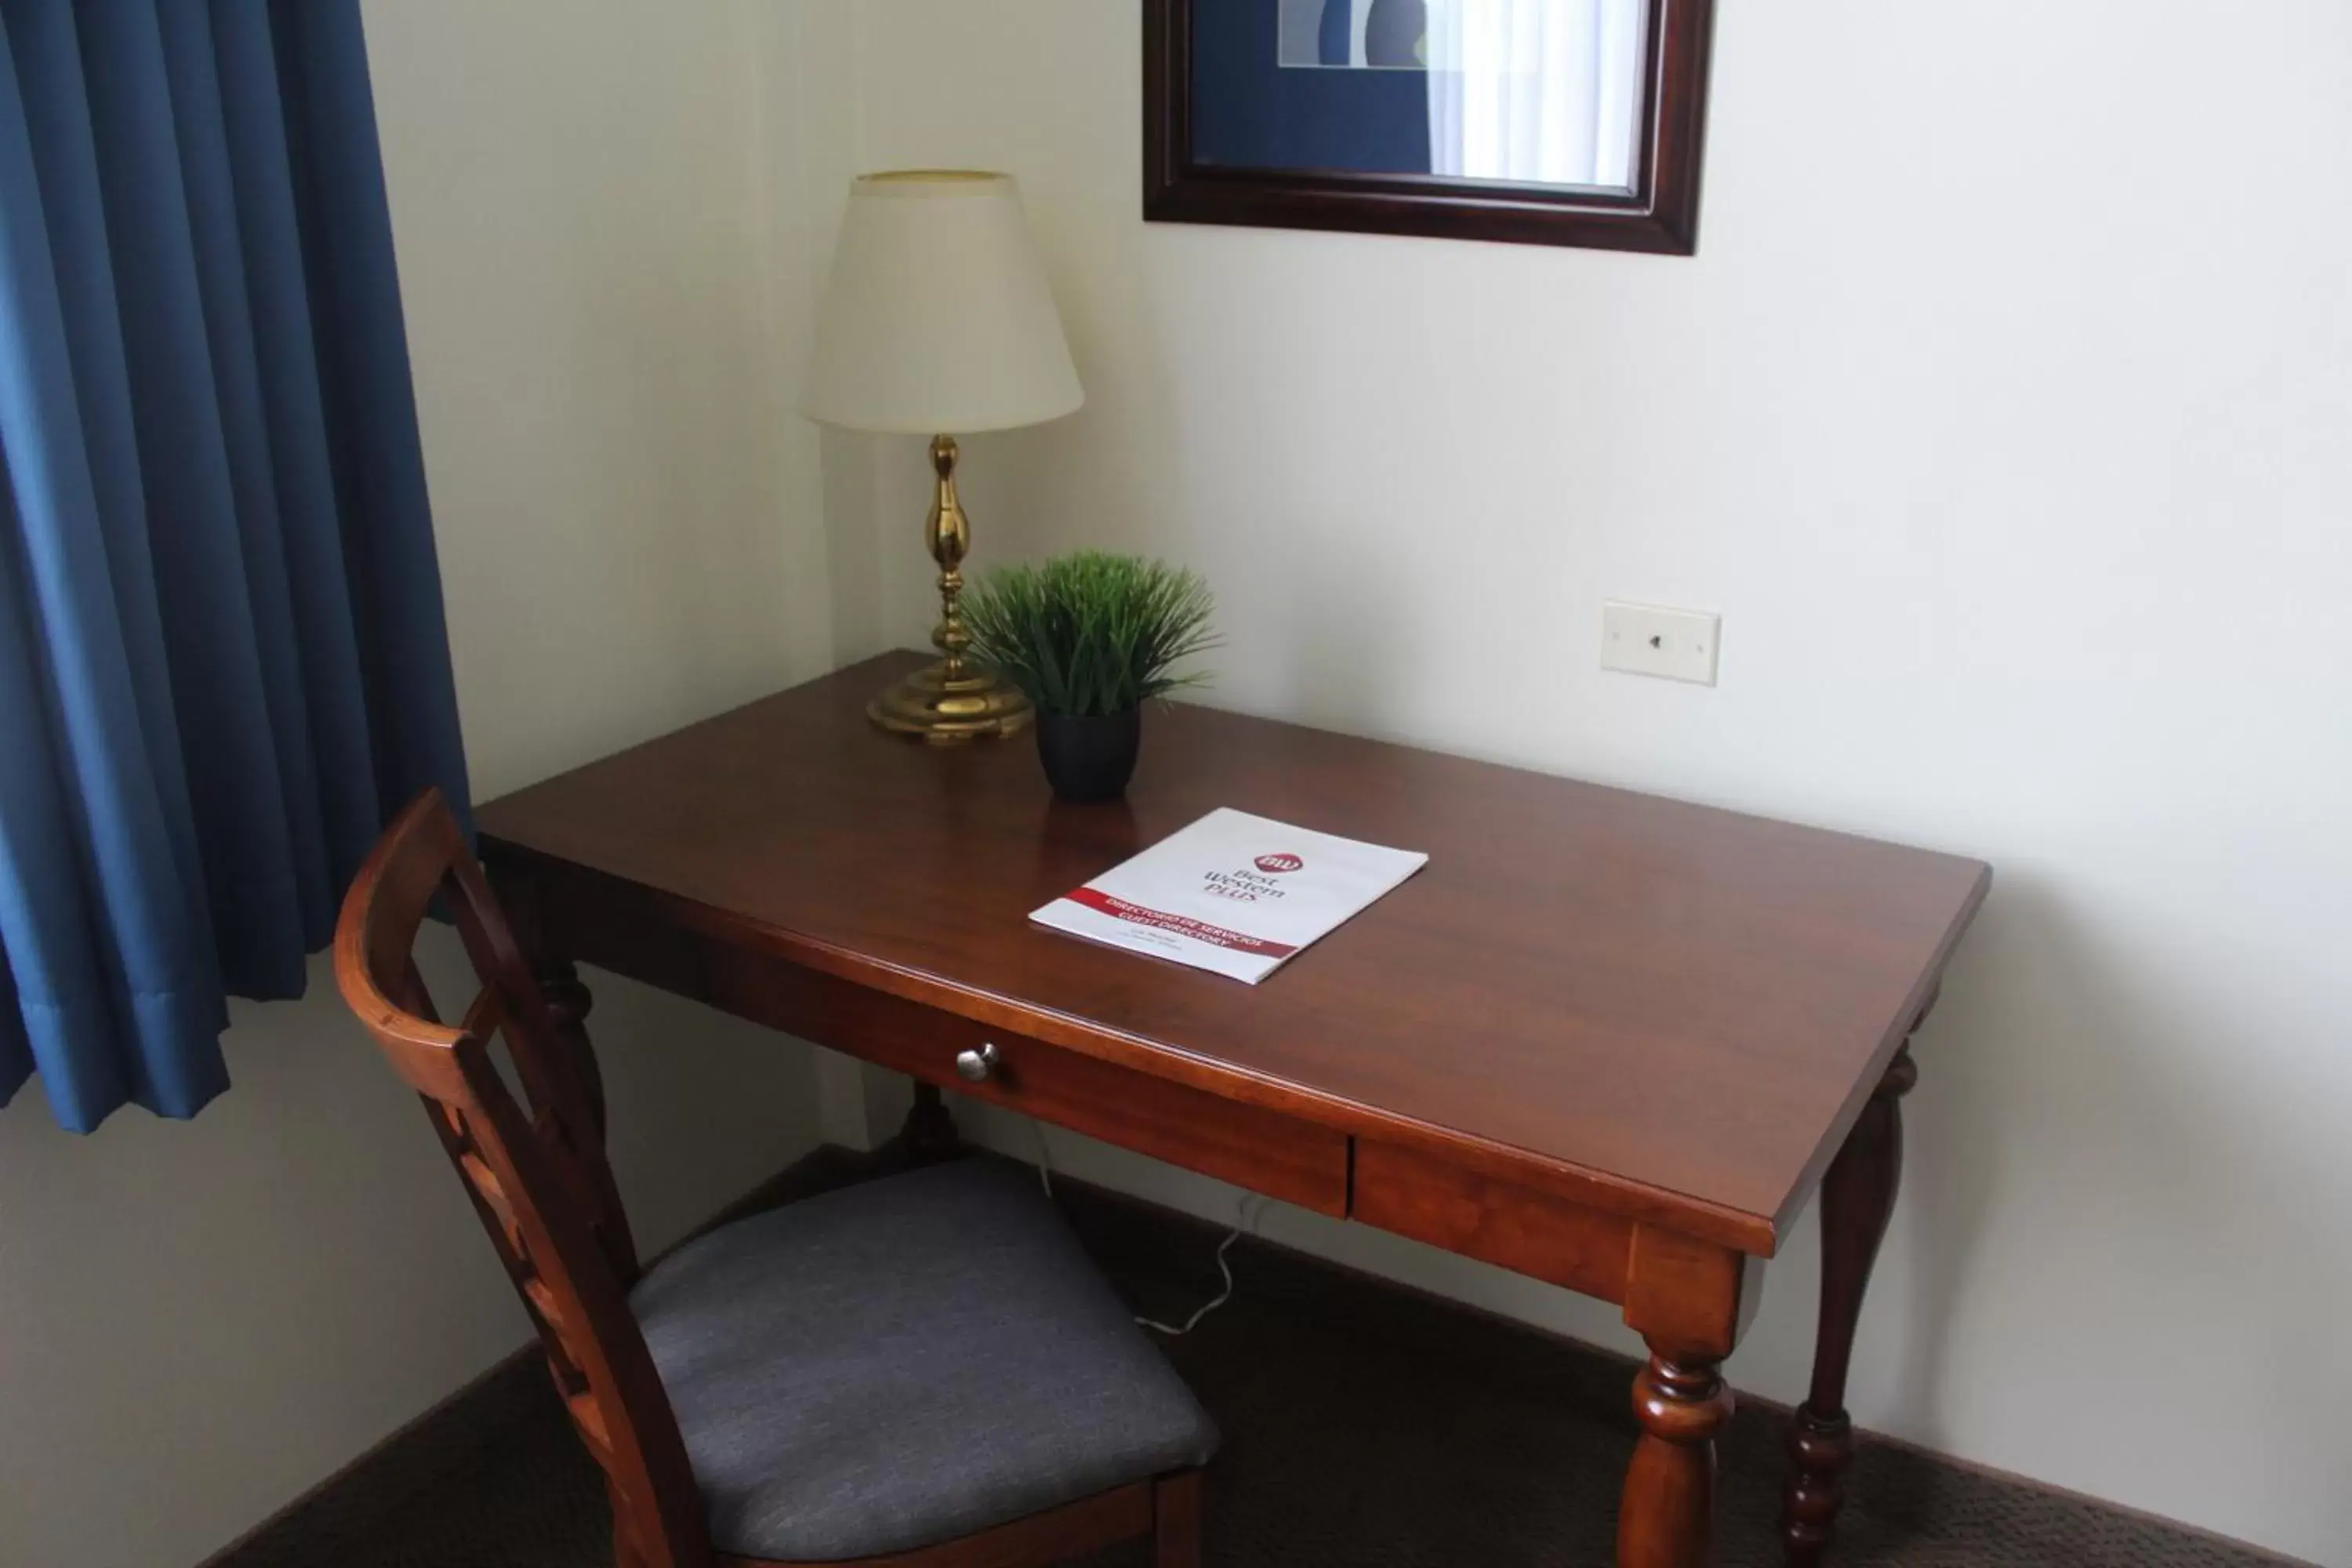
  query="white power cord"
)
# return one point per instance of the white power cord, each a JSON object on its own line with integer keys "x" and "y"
{"x": 1225, "y": 1269}
{"x": 1044, "y": 1155}
{"x": 1219, "y": 1300}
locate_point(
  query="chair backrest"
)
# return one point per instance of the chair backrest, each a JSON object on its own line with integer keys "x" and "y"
{"x": 534, "y": 1167}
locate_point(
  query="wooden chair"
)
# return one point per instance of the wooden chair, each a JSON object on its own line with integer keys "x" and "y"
{"x": 921, "y": 1370}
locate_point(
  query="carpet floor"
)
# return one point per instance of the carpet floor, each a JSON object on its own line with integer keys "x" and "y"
{"x": 1364, "y": 1428}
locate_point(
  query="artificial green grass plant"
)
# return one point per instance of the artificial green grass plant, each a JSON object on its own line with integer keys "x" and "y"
{"x": 1091, "y": 634}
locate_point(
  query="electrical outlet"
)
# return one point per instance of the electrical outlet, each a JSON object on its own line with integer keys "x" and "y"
{"x": 1643, "y": 639}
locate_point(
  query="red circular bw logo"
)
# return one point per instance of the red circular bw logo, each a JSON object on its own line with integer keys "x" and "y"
{"x": 1279, "y": 863}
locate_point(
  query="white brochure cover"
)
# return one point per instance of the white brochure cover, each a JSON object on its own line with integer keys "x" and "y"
{"x": 1235, "y": 894}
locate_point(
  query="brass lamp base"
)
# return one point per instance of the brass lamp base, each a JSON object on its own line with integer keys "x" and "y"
{"x": 953, "y": 701}
{"x": 948, "y": 711}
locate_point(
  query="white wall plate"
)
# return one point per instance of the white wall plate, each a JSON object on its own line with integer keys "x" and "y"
{"x": 1644, "y": 639}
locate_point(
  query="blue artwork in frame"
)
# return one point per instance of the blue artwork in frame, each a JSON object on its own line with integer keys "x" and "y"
{"x": 1556, "y": 122}
{"x": 1275, "y": 87}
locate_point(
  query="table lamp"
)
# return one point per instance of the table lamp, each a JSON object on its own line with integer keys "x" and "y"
{"x": 937, "y": 321}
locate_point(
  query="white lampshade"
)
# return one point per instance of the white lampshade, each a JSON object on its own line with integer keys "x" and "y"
{"x": 937, "y": 318}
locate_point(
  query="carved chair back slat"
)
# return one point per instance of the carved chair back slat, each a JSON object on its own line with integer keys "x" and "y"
{"x": 533, "y": 1165}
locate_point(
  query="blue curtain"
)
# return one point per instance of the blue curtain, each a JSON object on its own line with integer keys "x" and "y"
{"x": 222, "y": 652}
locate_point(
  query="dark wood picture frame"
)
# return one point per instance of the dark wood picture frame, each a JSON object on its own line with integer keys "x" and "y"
{"x": 1660, "y": 215}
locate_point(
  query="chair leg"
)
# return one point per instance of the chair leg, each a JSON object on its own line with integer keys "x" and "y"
{"x": 1176, "y": 1521}
{"x": 625, "y": 1550}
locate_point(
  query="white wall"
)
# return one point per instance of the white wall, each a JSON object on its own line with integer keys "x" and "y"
{"x": 199, "y": 1321}
{"x": 2003, "y": 417}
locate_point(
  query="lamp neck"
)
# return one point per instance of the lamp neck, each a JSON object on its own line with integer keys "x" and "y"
{"x": 948, "y": 533}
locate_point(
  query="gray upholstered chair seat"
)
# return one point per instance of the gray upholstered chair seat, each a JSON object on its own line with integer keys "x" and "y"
{"x": 904, "y": 1361}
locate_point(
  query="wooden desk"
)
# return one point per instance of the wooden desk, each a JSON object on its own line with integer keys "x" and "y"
{"x": 1606, "y": 1040}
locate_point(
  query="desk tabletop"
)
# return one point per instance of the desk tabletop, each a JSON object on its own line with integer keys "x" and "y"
{"x": 1681, "y": 1005}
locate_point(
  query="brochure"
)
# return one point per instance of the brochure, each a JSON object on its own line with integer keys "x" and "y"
{"x": 1235, "y": 894}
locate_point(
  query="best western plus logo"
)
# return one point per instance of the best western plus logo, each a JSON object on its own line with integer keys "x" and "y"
{"x": 1249, "y": 887}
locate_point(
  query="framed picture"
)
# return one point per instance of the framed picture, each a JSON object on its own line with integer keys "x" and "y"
{"x": 1536, "y": 122}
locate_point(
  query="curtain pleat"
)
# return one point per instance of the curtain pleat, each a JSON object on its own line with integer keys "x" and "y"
{"x": 66, "y": 153}
{"x": 209, "y": 693}
{"x": 362, "y": 347}
{"x": 340, "y": 821}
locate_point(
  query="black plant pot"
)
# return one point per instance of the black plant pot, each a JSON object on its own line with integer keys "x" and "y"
{"x": 1089, "y": 757}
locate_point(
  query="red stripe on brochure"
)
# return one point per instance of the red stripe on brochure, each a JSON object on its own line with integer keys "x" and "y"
{"x": 1181, "y": 925}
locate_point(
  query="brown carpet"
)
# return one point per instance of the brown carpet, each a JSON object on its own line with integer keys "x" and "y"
{"x": 1365, "y": 1428}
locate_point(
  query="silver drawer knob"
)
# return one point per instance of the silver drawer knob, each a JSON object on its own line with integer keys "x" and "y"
{"x": 978, "y": 1066}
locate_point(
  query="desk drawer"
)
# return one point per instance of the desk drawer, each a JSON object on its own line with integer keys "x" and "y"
{"x": 1295, "y": 1161}
{"x": 1523, "y": 1230}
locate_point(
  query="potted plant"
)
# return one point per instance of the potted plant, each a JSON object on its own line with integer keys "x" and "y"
{"x": 1089, "y": 639}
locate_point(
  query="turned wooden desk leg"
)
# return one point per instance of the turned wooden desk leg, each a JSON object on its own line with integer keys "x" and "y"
{"x": 559, "y": 982}
{"x": 929, "y": 1132}
{"x": 568, "y": 998}
{"x": 1666, "y": 1518}
{"x": 1857, "y": 1199}
{"x": 1689, "y": 1300}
